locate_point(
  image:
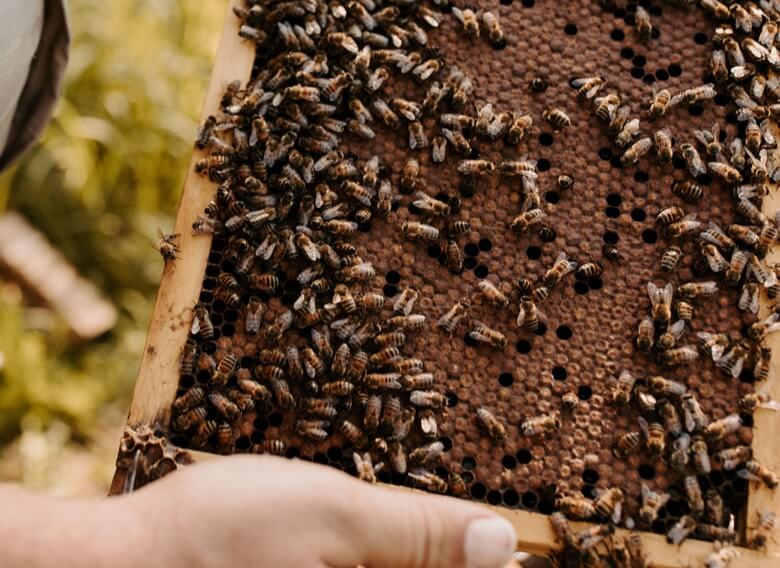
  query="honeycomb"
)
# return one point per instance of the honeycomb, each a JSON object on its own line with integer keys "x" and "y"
{"x": 588, "y": 335}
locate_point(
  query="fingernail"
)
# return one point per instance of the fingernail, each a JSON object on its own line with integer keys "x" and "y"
{"x": 489, "y": 543}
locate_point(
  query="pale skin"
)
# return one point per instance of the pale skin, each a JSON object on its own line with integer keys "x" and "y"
{"x": 252, "y": 511}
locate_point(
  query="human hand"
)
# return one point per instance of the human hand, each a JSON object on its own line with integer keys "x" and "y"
{"x": 265, "y": 511}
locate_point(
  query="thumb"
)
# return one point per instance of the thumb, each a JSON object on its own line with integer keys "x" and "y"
{"x": 389, "y": 528}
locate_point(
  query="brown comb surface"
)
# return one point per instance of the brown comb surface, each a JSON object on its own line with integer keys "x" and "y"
{"x": 591, "y": 325}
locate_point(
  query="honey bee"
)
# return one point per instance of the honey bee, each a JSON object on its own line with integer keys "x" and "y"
{"x": 645, "y": 334}
{"x": 766, "y": 525}
{"x": 476, "y": 167}
{"x": 693, "y": 290}
{"x": 626, "y": 444}
{"x": 225, "y": 444}
{"x": 726, "y": 172}
{"x": 427, "y": 453}
{"x": 681, "y": 530}
{"x": 680, "y": 355}
{"x": 742, "y": 234}
{"x": 575, "y": 507}
{"x": 522, "y": 222}
{"x": 560, "y": 269}
{"x": 671, "y": 420}
{"x": 661, "y": 301}
{"x": 213, "y": 162}
{"x": 524, "y": 168}
{"x": 621, "y": 393}
{"x": 204, "y": 429}
{"x": 570, "y": 400}
{"x": 428, "y": 425}
{"x": 397, "y": 458}
{"x": 492, "y": 294}
{"x": 588, "y": 87}
{"x": 694, "y": 95}
{"x": 410, "y": 175}
{"x": 655, "y": 436}
{"x": 405, "y": 302}
{"x": 766, "y": 238}
{"x": 730, "y": 458}
{"x": 722, "y": 557}
{"x": 411, "y": 322}
{"x": 403, "y": 424}
{"x": 427, "y": 399}
{"x": 754, "y": 471}
{"x": 416, "y": 231}
{"x": 715, "y": 260}
{"x": 761, "y": 329}
{"x": 457, "y": 485}
{"x": 761, "y": 368}
{"x": 563, "y": 531}
{"x": 670, "y": 258}
{"x": 429, "y": 481}
{"x": 609, "y": 504}
{"x": 644, "y": 26}
{"x": 635, "y": 152}
{"x": 627, "y": 133}
{"x": 557, "y": 118}
{"x": 492, "y": 425}
{"x": 362, "y": 272}
{"x": 694, "y": 495}
{"x": 517, "y": 131}
{"x": 663, "y": 145}
{"x": 529, "y": 315}
{"x": 721, "y": 428}
{"x": 224, "y": 406}
{"x": 439, "y": 149}
{"x": 453, "y": 257}
{"x": 255, "y": 390}
{"x": 454, "y": 316}
{"x": 493, "y": 28}
{"x": 458, "y": 141}
{"x": 659, "y": 104}
{"x": 760, "y": 399}
{"x": 695, "y": 419}
{"x": 468, "y": 20}
{"x": 337, "y": 388}
{"x": 652, "y": 502}
{"x": 487, "y": 335}
{"x": 321, "y": 407}
{"x": 201, "y": 323}
{"x": 539, "y": 425}
{"x": 417, "y": 137}
{"x": 590, "y": 537}
{"x": 678, "y": 457}
{"x": 688, "y": 190}
{"x": 224, "y": 369}
{"x": 353, "y": 434}
{"x": 316, "y": 430}
{"x": 666, "y": 387}
{"x": 366, "y": 469}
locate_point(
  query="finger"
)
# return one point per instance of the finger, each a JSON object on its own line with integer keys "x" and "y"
{"x": 386, "y": 528}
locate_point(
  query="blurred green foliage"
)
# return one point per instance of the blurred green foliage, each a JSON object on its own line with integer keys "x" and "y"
{"x": 106, "y": 175}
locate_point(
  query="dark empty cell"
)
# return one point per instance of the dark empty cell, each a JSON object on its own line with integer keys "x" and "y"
{"x": 509, "y": 461}
{"x": 617, "y": 34}
{"x": 673, "y": 509}
{"x": 505, "y": 379}
{"x": 559, "y": 373}
{"x": 695, "y": 110}
{"x": 217, "y": 306}
{"x": 638, "y": 214}
{"x": 721, "y": 99}
{"x": 731, "y": 118}
{"x": 528, "y": 3}
{"x": 471, "y": 249}
{"x": 700, "y": 38}
{"x": 545, "y": 507}
{"x": 614, "y": 199}
{"x": 395, "y": 206}
{"x": 485, "y": 245}
{"x": 389, "y": 290}
{"x": 649, "y": 236}
{"x": 209, "y": 284}
{"x": 292, "y": 453}
{"x": 611, "y": 237}
{"x": 214, "y": 258}
{"x": 523, "y": 456}
{"x": 648, "y": 79}
{"x": 180, "y": 442}
{"x": 656, "y": 33}
{"x": 581, "y": 287}
{"x": 655, "y": 11}
{"x": 243, "y": 443}
{"x": 747, "y": 419}
{"x": 511, "y": 498}
{"x": 552, "y": 197}
{"x": 275, "y": 420}
{"x": 545, "y": 139}
{"x": 678, "y": 162}
{"x": 470, "y": 341}
{"x": 619, "y": 12}
{"x": 563, "y": 332}
{"x": 674, "y": 70}
{"x": 529, "y": 499}
{"x": 662, "y": 75}
{"x": 722, "y": 136}
{"x": 228, "y": 330}
{"x": 629, "y": 19}
{"x": 320, "y": 458}
{"x": 615, "y": 162}
{"x": 434, "y": 251}
{"x": 747, "y": 376}
{"x": 631, "y": 7}
{"x": 646, "y": 471}
{"x": 210, "y": 348}
{"x": 334, "y": 453}
{"x": 212, "y": 271}
{"x": 506, "y": 2}
{"x": 704, "y": 179}
{"x": 612, "y": 212}
{"x": 595, "y": 283}
{"x": 288, "y": 299}
{"x": 187, "y": 381}
{"x": 454, "y": 203}
{"x": 467, "y": 476}
{"x": 413, "y": 209}
{"x": 570, "y": 29}
{"x": 469, "y": 263}
{"x": 658, "y": 526}
{"x": 481, "y": 271}
{"x": 392, "y": 277}
{"x": 641, "y": 177}
{"x": 452, "y": 399}
{"x": 627, "y": 53}
{"x": 729, "y": 475}
{"x": 588, "y": 491}
{"x": 541, "y": 330}
{"x": 534, "y": 253}
{"x": 584, "y": 392}
{"x": 494, "y": 497}
{"x": 543, "y": 165}
{"x": 364, "y": 227}
{"x": 447, "y": 443}
{"x": 605, "y": 153}
{"x": 384, "y": 476}
{"x": 230, "y": 315}
{"x": 523, "y": 346}
{"x": 639, "y": 60}
{"x": 478, "y": 490}
{"x": 203, "y": 376}
{"x": 247, "y": 362}
{"x": 590, "y": 476}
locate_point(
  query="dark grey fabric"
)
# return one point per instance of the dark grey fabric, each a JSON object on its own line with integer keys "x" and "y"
{"x": 43, "y": 86}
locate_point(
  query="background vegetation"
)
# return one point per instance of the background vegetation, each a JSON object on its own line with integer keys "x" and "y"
{"x": 106, "y": 175}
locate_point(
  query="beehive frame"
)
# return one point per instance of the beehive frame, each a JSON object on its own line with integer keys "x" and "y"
{"x": 159, "y": 371}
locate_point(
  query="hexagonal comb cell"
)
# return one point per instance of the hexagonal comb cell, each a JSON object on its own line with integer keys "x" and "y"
{"x": 568, "y": 365}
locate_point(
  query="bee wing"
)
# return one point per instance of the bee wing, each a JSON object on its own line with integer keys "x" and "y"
{"x": 644, "y": 427}
{"x": 676, "y": 99}
{"x": 770, "y": 405}
{"x": 668, "y": 294}
{"x": 745, "y": 474}
{"x": 617, "y": 512}
{"x": 458, "y": 13}
{"x": 195, "y": 327}
{"x": 677, "y": 328}
{"x": 521, "y": 316}
{"x": 702, "y": 137}
{"x": 652, "y": 291}
{"x": 646, "y": 492}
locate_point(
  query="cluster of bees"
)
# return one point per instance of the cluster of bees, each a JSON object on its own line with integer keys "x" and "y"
{"x": 289, "y": 199}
